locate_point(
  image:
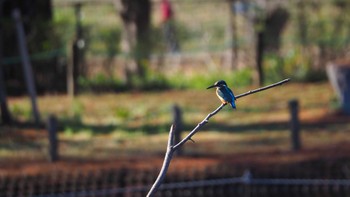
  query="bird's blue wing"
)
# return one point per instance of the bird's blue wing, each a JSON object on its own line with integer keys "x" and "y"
{"x": 226, "y": 93}
{"x": 232, "y": 97}
{"x": 231, "y": 93}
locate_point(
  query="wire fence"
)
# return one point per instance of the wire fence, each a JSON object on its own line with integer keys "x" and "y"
{"x": 232, "y": 29}
{"x": 223, "y": 180}
{"x": 298, "y": 35}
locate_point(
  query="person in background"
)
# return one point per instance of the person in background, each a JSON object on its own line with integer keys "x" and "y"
{"x": 167, "y": 17}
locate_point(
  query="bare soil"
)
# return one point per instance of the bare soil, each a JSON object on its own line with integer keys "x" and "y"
{"x": 28, "y": 166}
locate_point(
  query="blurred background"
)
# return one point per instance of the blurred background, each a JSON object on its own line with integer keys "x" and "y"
{"x": 89, "y": 89}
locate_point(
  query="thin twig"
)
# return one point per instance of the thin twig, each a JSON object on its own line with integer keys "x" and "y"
{"x": 200, "y": 125}
{"x": 263, "y": 88}
{"x": 171, "y": 148}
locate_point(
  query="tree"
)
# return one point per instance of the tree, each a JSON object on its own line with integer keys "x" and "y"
{"x": 269, "y": 25}
{"x": 136, "y": 17}
{"x": 5, "y": 114}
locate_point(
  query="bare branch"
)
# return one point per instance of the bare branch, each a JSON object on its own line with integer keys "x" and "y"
{"x": 200, "y": 125}
{"x": 206, "y": 119}
{"x": 171, "y": 136}
{"x": 263, "y": 88}
{"x": 171, "y": 148}
{"x": 168, "y": 156}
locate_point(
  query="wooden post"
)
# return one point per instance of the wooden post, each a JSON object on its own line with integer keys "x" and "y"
{"x": 294, "y": 125}
{"x": 53, "y": 141}
{"x": 27, "y": 67}
{"x": 260, "y": 46}
{"x": 177, "y": 122}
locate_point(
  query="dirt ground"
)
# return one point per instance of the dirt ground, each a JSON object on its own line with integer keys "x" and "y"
{"x": 30, "y": 166}
{"x": 33, "y": 167}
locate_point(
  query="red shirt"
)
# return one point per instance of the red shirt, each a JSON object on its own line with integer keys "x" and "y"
{"x": 166, "y": 10}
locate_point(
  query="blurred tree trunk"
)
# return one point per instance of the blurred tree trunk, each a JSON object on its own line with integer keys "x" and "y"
{"x": 260, "y": 47}
{"x": 269, "y": 27}
{"x": 275, "y": 24}
{"x": 5, "y": 114}
{"x": 37, "y": 15}
{"x": 136, "y": 16}
{"x": 233, "y": 30}
{"x": 302, "y": 23}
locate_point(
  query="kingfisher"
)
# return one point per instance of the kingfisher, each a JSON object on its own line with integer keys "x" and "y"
{"x": 224, "y": 93}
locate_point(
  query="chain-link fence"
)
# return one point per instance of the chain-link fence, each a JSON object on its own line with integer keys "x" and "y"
{"x": 223, "y": 33}
{"x": 222, "y": 180}
{"x": 291, "y": 38}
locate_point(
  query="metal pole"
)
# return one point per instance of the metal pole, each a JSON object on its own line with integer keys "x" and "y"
{"x": 27, "y": 68}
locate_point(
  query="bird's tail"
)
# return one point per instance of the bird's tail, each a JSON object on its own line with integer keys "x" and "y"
{"x": 233, "y": 105}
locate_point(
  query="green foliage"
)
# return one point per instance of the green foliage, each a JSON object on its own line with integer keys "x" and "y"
{"x": 237, "y": 78}
{"x": 77, "y": 109}
{"x": 103, "y": 40}
{"x": 294, "y": 65}
{"x": 68, "y": 131}
{"x": 243, "y": 77}
{"x": 156, "y": 35}
{"x": 326, "y": 29}
{"x": 334, "y": 103}
{"x": 192, "y": 39}
{"x": 63, "y": 26}
{"x": 152, "y": 81}
{"x": 20, "y": 111}
{"x": 78, "y": 132}
{"x": 274, "y": 68}
{"x": 157, "y": 81}
{"x": 122, "y": 113}
{"x": 102, "y": 34}
{"x": 100, "y": 82}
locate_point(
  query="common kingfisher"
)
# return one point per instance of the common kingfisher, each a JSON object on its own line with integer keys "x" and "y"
{"x": 224, "y": 93}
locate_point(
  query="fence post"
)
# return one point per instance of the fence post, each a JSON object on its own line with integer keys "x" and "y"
{"x": 294, "y": 124}
{"x": 53, "y": 141}
{"x": 177, "y": 122}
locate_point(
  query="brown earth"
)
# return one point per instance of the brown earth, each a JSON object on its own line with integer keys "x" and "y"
{"x": 30, "y": 166}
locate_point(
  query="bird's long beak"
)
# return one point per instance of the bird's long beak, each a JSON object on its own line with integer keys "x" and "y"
{"x": 212, "y": 86}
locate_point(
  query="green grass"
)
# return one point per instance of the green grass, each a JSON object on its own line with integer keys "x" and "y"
{"x": 157, "y": 81}
{"x": 238, "y": 78}
{"x": 137, "y": 123}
